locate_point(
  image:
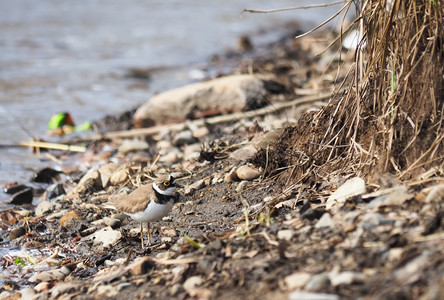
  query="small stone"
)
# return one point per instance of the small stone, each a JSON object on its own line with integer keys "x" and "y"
{"x": 123, "y": 286}
{"x": 45, "y": 207}
{"x": 183, "y": 138}
{"x": 168, "y": 231}
{"x": 285, "y": 234}
{"x": 436, "y": 194}
{"x": 247, "y": 173}
{"x": 175, "y": 289}
{"x": 24, "y": 196}
{"x": 351, "y": 188}
{"x": 191, "y": 152}
{"x": 42, "y": 286}
{"x": 55, "y": 190}
{"x": 91, "y": 180}
{"x": 312, "y": 296}
{"x": 241, "y": 186}
{"x": 111, "y": 222}
{"x": 164, "y": 144}
{"x": 243, "y": 154}
{"x": 69, "y": 219}
{"x": 17, "y": 232}
{"x": 133, "y": 145}
{"x": 346, "y": 278}
{"x": 324, "y": 221}
{"x": 297, "y": 280}
{"x": 56, "y": 274}
{"x": 200, "y": 132}
{"x": 192, "y": 283}
{"x": 231, "y": 176}
{"x": 318, "y": 283}
{"x": 171, "y": 156}
{"x": 200, "y": 184}
{"x": 107, "y": 171}
{"x": 62, "y": 288}
{"x": 107, "y": 236}
{"x": 371, "y": 220}
{"x": 141, "y": 266}
{"x": 106, "y": 291}
{"x": 119, "y": 177}
{"x": 28, "y": 293}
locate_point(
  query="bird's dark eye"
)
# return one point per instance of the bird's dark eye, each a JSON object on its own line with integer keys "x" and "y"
{"x": 166, "y": 183}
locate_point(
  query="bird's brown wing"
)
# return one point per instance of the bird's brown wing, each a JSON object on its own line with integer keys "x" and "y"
{"x": 134, "y": 202}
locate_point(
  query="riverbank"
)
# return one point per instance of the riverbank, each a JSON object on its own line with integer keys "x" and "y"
{"x": 240, "y": 229}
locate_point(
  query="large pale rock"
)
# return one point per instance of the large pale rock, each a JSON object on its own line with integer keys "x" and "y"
{"x": 351, "y": 188}
{"x": 226, "y": 94}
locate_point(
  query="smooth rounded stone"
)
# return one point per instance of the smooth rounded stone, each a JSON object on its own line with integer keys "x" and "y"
{"x": 372, "y": 219}
{"x": 263, "y": 141}
{"x": 175, "y": 289}
{"x": 192, "y": 282}
{"x": 297, "y": 280}
{"x": 119, "y": 176}
{"x": 192, "y": 151}
{"x": 164, "y": 144}
{"x": 55, "y": 274}
{"x": 24, "y": 196}
{"x": 106, "y": 291}
{"x": 106, "y": 236}
{"x": 226, "y": 94}
{"x": 285, "y": 234}
{"x": 17, "y": 232}
{"x": 351, "y": 188}
{"x": 312, "y": 296}
{"x": 325, "y": 221}
{"x": 318, "y": 283}
{"x": 168, "y": 231}
{"x": 171, "y": 156}
{"x": 69, "y": 219}
{"x": 111, "y": 222}
{"x": 184, "y": 138}
{"x": 231, "y": 176}
{"x": 28, "y": 293}
{"x": 247, "y": 173}
{"x": 200, "y": 184}
{"x": 346, "y": 278}
{"x": 91, "y": 180}
{"x": 63, "y": 287}
{"x": 42, "y": 286}
{"x": 57, "y": 214}
{"x": 133, "y": 145}
{"x": 436, "y": 194}
{"x": 55, "y": 190}
{"x": 106, "y": 171}
{"x": 243, "y": 154}
{"x": 200, "y": 132}
{"x": 45, "y": 207}
{"x": 241, "y": 186}
{"x": 141, "y": 266}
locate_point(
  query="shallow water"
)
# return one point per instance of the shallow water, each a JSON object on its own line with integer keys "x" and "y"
{"x": 73, "y": 56}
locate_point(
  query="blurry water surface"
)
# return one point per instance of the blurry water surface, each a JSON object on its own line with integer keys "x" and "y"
{"x": 73, "y": 56}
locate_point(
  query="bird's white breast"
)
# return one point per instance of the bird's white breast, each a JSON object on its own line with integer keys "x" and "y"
{"x": 153, "y": 212}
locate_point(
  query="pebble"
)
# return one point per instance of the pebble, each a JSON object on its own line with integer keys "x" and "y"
{"x": 192, "y": 282}
{"x": 107, "y": 236}
{"x": 123, "y": 285}
{"x": 297, "y": 280}
{"x": 351, "y": 188}
{"x": 168, "y": 231}
{"x": 346, "y": 277}
{"x": 24, "y": 196}
{"x": 133, "y": 145}
{"x": 119, "y": 177}
{"x": 112, "y": 222}
{"x": 17, "y": 232}
{"x": 63, "y": 287}
{"x": 42, "y": 286}
{"x": 45, "y": 207}
{"x": 141, "y": 266}
{"x": 106, "y": 291}
{"x": 106, "y": 171}
{"x": 318, "y": 283}
{"x": 324, "y": 221}
{"x": 243, "y": 154}
{"x": 200, "y": 132}
{"x": 247, "y": 173}
{"x": 184, "y": 138}
{"x": 27, "y": 293}
{"x": 436, "y": 194}
{"x": 285, "y": 234}
{"x": 55, "y": 190}
{"x": 200, "y": 184}
{"x": 312, "y": 296}
{"x": 371, "y": 220}
{"x": 91, "y": 180}
{"x": 69, "y": 219}
{"x": 231, "y": 176}
{"x": 55, "y": 274}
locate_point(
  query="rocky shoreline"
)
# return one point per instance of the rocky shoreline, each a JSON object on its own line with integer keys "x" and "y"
{"x": 237, "y": 230}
